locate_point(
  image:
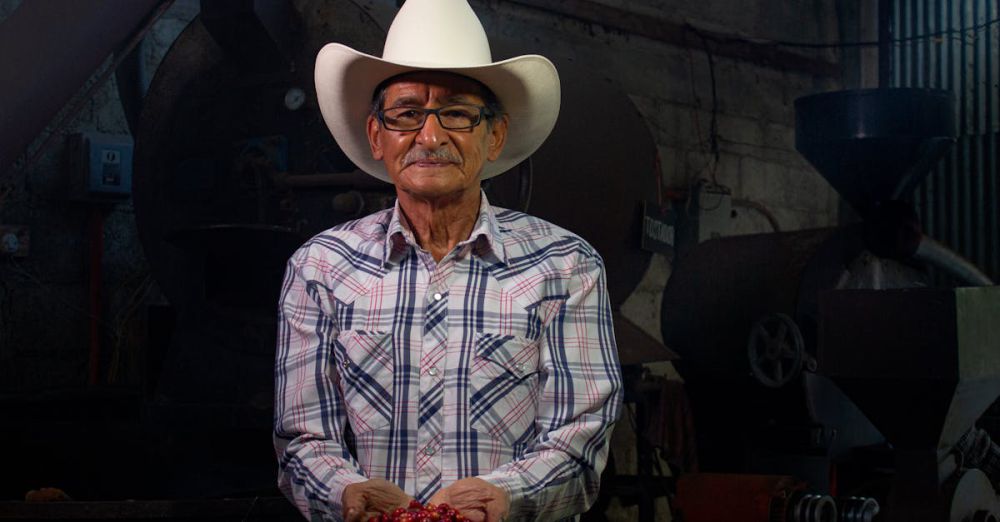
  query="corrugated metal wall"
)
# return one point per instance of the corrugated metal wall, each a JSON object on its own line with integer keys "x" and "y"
{"x": 959, "y": 202}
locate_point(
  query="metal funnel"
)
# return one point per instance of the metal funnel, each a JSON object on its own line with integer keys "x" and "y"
{"x": 874, "y": 145}
{"x": 922, "y": 364}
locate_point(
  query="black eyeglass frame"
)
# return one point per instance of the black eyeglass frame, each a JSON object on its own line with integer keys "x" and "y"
{"x": 484, "y": 113}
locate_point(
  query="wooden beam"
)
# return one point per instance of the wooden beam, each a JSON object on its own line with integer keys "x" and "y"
{"x": 683, "y": 35}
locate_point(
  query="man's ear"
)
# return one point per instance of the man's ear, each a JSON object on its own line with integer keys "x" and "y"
{"x": 497, "y": 138}
{"x": 374, "y": 132}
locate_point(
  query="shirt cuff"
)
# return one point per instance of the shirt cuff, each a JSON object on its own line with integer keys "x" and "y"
{"x": 513, "y": 484}
{"x": 337, "y": 485}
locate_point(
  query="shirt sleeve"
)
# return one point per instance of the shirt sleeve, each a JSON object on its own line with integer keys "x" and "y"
{"x": 314, "y": 464}
{"x": 581, "y": 397}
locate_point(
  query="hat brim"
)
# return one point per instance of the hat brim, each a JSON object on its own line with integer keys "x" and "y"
{"x": 527, "y": 87}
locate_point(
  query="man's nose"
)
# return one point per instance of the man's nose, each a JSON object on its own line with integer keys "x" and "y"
{"x": 432, "y": 134}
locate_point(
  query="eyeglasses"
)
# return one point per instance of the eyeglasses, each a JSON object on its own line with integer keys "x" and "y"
{"x": 453, "y": 117}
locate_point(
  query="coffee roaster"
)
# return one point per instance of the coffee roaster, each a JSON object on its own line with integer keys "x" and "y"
{"x": 853, "y": 358}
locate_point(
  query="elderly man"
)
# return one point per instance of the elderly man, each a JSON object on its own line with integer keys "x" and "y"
{"x": 444, "y": 350}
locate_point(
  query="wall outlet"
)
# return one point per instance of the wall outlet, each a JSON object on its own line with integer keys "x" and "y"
{"x": 706, "y": 215}
{"x": 14, "y": 241}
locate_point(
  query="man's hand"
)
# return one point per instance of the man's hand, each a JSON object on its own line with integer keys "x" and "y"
{"x": 476, "y": 499}
{"x": 371, "y": 498}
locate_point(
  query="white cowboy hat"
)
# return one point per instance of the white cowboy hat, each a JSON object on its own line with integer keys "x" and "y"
{"x": 438, "y": 35}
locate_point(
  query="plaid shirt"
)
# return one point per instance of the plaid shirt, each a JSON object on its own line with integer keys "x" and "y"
{"x": 498, "y": 361}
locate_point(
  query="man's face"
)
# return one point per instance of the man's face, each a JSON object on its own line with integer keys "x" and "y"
{"x": 434, "y": 162}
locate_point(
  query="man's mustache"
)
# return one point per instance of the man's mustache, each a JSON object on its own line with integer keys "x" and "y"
{"x": 444, "y": 154}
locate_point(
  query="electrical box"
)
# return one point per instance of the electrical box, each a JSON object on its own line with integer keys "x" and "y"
{"x": 706, "y": 214}
{"x": 102, "y": 165}
{"x": 714, "y": 212}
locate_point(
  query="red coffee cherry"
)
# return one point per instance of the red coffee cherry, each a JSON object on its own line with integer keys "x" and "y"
{"x": 417, "y": 512}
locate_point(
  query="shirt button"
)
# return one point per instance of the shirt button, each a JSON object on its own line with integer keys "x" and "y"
{"x": 433, "y": 371}
{"x": 437, "y": 296}
{"x": 519, "y": 367}
{"x": 429, "y": 450}
{"x": 347, "y": 364}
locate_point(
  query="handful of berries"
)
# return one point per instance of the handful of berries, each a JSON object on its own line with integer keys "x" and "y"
{"x": 417, "y": 512}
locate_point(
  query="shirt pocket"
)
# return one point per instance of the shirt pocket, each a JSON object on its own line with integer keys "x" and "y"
{"x": 505, "y": 385}
{"x": 365, "y": 365}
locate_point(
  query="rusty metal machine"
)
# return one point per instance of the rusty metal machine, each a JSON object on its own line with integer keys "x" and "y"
{"x": 853, "y": 358}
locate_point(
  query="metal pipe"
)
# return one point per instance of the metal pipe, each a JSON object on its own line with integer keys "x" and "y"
{"x": 764, "y": 211}
{"x": 964, "y": 209}
{"x": 885, "y": 43}
{"x": 940, "y": 256}
{"x": 955, "y": 69}
{"x": 977, "y": 251}
{"x": 913, "y": 48}
{"x": 992, "y": 112}
{"x": 926, "y": 52}
{"x": 96, "y": 249}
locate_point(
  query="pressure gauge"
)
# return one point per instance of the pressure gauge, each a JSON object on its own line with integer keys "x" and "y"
{"x": 9, "y": 243}
{"x": 295, "y": 98}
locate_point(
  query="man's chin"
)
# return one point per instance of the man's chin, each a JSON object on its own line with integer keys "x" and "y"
{"x": 436, "y": 185}
{"x": 433, "y": 192}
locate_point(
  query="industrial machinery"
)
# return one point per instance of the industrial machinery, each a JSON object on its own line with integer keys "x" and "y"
{"x": 853, "y": 358}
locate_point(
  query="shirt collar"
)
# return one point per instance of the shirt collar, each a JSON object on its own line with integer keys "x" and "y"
{"x": 485, "y": 236}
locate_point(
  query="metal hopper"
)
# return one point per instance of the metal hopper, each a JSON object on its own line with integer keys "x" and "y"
{"x": 874, "y": 145}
